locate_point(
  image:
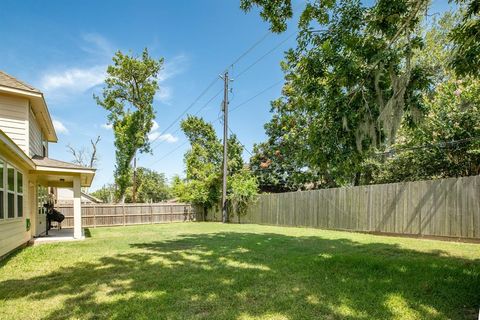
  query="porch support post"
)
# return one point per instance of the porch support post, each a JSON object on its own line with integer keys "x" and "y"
{"x": 77, "y": 209}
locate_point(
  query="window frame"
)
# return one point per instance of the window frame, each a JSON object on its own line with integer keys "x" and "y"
{"x": 15, "y": 192}
{"x": 11, "y": 192}
{"x": 18, "y": 193}
{"x": 3, "y": 164}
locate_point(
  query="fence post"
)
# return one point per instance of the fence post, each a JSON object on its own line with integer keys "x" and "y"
{"x": 151, "y": 213}
{"x": 171, "y": 212}
{"x": 94, "y": 216}
{"x": 123, "y": 210}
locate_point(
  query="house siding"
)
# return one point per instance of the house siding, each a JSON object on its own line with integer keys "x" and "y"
{"x": 35, "y": 136}
{"x": 13, "y": 231}
{"x": 14, "y": 120}
{"x": 12, "y": 235}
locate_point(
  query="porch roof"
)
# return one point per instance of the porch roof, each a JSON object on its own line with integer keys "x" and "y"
{"x": 54, "y": 172}
{"x": 61, "y": 171}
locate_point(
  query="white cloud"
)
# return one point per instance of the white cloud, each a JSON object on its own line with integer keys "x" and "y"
{"x": 155, "y": 126}
{"x": 59, "y": 126}
{"x": 171, "y": 68}
{"x": 167, "y": 137}
{"x": 107, "y": 126}
{"x": 97, "y": 45}
{"x": 164, "y": 94}
{"x": 73, "y": 80}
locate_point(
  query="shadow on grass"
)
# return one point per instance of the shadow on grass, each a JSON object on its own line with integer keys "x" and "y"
{"x": 235, "y": 275}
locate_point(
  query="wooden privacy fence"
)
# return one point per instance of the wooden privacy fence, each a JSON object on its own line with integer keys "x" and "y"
{"x": 96, "y": 215}
{"x": 446, "y": 208}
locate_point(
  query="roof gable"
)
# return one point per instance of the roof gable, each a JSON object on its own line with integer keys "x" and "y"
{"x": 12, "y": 86}
{"x": 9, "y": 81}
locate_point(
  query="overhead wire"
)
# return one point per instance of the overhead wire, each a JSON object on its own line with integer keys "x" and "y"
{"x": 218, "y": 119}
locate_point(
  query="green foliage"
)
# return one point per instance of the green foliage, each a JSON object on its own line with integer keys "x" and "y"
{"x": 348, "y": 86}
{"x": 277, "y": 12}
{"x": 152, "y": 186}
{"x": 466, "y": 40}
{"x": 202, "y": 186}
{"x": 128, "y": 95}
{"x": 105, "y": 193}
{"x": 446, "y": 143}
{"x": 243, "y": 187}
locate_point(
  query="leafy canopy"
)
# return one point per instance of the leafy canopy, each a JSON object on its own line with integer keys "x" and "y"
{"x": 128, "y": 95}
{"x": 202, "y": 186}
{"x": 349, "y": 83}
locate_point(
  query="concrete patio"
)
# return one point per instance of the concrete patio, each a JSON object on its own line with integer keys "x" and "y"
{"x": 55, "y": 235}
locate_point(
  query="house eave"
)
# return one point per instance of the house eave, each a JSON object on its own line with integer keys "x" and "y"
{"x": 39, "y": 107}
{"x": 15, "y": 151}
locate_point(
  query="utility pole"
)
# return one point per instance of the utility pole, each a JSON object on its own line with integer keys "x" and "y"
{"x": 134, "y": 188}
{"x": 225, "y": 141}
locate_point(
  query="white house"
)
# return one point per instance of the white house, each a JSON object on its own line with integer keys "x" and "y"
{"x": 26, "y": 170}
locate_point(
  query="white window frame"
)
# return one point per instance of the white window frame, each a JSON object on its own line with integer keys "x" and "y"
{"x": 19, "y": 194}
{"x": 2, "y": 188}
{"x": 6, "y": 192}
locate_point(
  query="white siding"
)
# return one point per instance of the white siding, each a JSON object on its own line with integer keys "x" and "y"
{"x": 14, "y": 120}
{"x": 35, "y": 138}
{"x": 12, "y": 235}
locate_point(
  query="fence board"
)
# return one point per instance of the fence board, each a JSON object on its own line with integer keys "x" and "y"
{"x": 95, "y": 215}
{"x": 446, "y": 207}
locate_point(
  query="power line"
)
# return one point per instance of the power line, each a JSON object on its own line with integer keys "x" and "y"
{"x": 441, "y": 144}
{"x": 249, "y": 49}
{"x": 188, "y": 108}
{"x": 219, "y": 118}
{"x": 265, "y": 55}
{"x": 252, "y": 98}
{"x": 243, "y": 146}
{"x": 196, "y": 113}
{"x": 169, "y": 153}
{"x": 246, "y": 52}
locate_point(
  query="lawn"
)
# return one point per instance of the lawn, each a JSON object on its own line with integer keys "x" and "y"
{"x": 215, "y": 271}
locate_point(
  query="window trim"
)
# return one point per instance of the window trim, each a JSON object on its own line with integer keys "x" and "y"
{"x": 17, "y": 193}
{"x": 6, "y": 192}
{"x": 3, "y": 163}
{"x": 10, "y": 192}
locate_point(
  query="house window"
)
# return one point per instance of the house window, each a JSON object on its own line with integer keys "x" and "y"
{"x": 19, "y": 194}
{"x": 2, "y": 191}
{"x": 10, "y": 192}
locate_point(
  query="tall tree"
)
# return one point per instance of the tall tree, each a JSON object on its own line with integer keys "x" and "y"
{"x": 128, "y": 95}
{"x": 203, "y": 162}
{"x": 151, "y": 186}
{"x": 351, "y": 78}
{"x": 466, "y": 40}
{"x": 445, "y": 143}
{"x": 202, "y": 186}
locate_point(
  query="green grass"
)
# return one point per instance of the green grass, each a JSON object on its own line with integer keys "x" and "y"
{"x": 215, "y": 271}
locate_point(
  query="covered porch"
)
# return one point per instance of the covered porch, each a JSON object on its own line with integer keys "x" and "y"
{"x": 51, "y": 173}
{"x": 56, "y": 235}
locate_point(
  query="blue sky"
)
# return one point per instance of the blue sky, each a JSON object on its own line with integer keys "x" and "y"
{"x": 63, "y": 48}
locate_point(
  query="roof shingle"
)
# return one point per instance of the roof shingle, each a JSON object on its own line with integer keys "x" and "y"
{"x": 48, "y": 162}
{"x": 11, "y": 82}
